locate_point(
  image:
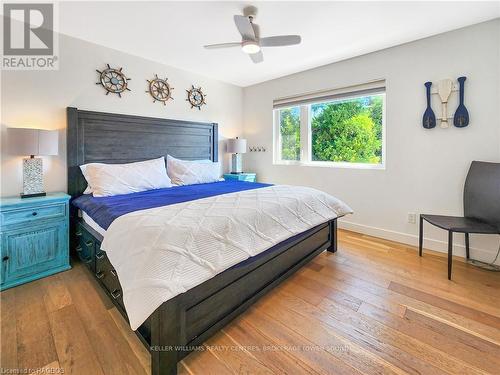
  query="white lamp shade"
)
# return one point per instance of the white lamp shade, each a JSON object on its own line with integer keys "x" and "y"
{"x": 237, "y": 146}
{"x": 24, "y": 141}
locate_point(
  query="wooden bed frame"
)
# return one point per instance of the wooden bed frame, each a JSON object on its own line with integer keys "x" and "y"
{"x": 189, "y": 319}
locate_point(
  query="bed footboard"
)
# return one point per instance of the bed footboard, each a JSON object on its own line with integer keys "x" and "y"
{"x": 333, "y": 236}
{"x": 180, "y": 325}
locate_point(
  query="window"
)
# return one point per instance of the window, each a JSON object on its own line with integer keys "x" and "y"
{"x": 340, "y": 129}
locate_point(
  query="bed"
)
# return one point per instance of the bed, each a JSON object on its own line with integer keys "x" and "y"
{"x": 185, "y": 321}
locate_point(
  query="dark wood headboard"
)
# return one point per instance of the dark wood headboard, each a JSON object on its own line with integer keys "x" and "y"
{"x": 99, "y": 137}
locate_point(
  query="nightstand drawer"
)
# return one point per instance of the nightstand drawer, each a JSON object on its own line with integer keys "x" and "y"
{"x": 22, "y": 215}
{"x": 247, "y": 177}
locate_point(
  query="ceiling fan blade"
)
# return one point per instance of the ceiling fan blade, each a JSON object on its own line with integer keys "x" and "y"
{"x": 256, "y": 30}
{"x": 223, "y": 45}
{"x": 257, "y": 57}
{"x": 244, "y": 27}
{"x": 281, "y": 40}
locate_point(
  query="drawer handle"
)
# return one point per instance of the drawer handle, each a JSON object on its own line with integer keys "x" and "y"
{"x": 113, "y": 272}
{"x": 78, "y": 248}
{"x": 88, "y": 261}
{"x": 5, "y": 258}
{"x": 99, "y": 275}
{"x": 89, "y": 243}
{"x": 116, "y": 293}
{"x": 34, "y": 213}
{"x": 100, "y": 255}
{"x": 78, "y": 234}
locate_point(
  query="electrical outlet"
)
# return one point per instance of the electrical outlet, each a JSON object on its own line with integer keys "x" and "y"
{"x": 412, "y": 218}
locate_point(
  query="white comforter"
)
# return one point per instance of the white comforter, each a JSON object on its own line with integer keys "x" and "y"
{"x": 161, "y": 252}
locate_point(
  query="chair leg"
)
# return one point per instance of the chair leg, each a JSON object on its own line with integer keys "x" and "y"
{"x": 467, "y": 253}
{"x": 450, "y": 252}
{"x": 420, "y": 235}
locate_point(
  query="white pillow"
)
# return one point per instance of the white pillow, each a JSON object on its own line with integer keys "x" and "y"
{"x": 186, "y": 172}
{"x": 113, "y": 179}
{"x": 83, "y": 168}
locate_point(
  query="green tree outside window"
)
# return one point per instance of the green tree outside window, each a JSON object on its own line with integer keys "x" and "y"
{"x": 290, "y": 133}
{"x": 341, "y": 131}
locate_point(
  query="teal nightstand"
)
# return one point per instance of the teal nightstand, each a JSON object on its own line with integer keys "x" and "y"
{"x": 249, "y": 177}
{"x": 33, "y": 238}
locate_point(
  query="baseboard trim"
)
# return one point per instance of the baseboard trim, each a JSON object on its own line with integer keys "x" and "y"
{"x": 410, "y": 239}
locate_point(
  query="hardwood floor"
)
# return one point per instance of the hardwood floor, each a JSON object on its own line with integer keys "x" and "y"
{"x": 375, "y": 307}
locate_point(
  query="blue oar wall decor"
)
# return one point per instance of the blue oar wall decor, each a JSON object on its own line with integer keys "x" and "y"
{"x": 429, "y": 119}
{"x": 461, "y": 118}
{"x": 444, "y": 89}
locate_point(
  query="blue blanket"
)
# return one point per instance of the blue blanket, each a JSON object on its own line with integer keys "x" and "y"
{"x": 104, "y": 210}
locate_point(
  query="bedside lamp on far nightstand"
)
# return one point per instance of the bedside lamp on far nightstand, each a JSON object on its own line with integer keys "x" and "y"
{"x": 237, "y": 147}
{"x": 31, "y": 142}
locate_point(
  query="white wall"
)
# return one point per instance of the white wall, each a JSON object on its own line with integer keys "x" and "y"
{"x": 425, "y": 169}
{"x": 39, "y": 99}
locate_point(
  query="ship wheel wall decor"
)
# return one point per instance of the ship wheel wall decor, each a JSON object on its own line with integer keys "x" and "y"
{"x": 113, "y": 80}
{"x": 196, "y": 97}
{"x": 160, "y": 89}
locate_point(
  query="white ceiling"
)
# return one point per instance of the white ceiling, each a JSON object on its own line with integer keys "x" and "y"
{"x": 174, "y": 32}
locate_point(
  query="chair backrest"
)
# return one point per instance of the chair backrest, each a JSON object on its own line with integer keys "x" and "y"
{"x": 482, "y": 192}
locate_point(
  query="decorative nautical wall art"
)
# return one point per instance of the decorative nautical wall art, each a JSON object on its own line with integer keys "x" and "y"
{"x": 113, "y": 80}
{"x": 461, "y": 118}
{"x": 445, "y": 89}
{"x": 196, "y": 97}
{"x": 160, "y": 90}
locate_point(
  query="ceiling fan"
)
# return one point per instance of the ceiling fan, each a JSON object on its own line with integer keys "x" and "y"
{"x": 251, "y": 43}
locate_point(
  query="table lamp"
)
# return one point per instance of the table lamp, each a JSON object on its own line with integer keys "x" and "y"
{"x": 236, "y": 147}
{"x": 31, "y": 142}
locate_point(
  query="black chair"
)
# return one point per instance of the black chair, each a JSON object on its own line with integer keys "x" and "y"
{"x": 481, "y": 208}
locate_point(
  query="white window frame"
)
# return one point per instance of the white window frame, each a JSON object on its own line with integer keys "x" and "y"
{"x": 277, "y": 140}
{"x": 306, "y": 138}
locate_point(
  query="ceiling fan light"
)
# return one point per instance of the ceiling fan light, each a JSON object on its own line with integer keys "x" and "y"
{"x": 250, "y": 47}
